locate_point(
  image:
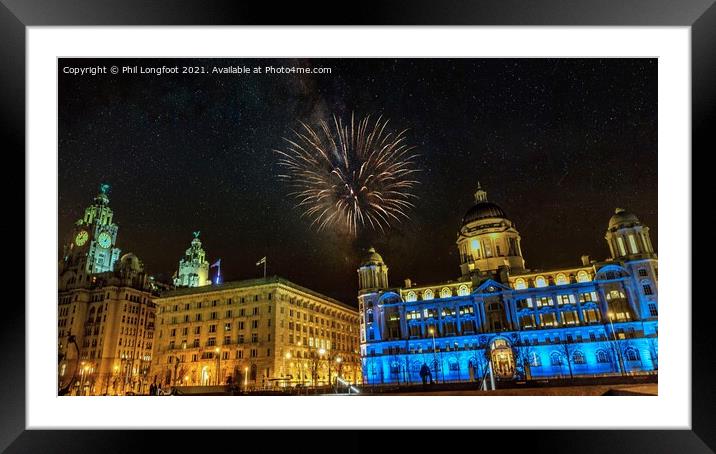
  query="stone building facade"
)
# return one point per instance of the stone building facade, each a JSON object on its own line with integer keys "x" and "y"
{"x": 258, "y": 333}
{"x": 105, "y": 310}
{"x": 596, "y": 318}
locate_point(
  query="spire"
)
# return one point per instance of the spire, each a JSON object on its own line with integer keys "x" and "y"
{"x": 102, "y": 198}
{"x": 480, "y": 194}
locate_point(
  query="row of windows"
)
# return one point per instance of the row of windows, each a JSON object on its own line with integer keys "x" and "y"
{"x": 239, "y": 354}
{"x": 255, "y": 298}
{"x": 429, "y": 294}
{"x": 542, "y": 281}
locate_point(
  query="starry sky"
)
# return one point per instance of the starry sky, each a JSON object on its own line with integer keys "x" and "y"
{"x": 557, "y": 143}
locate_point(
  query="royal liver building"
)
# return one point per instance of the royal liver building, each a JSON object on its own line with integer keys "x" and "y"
{"x": 599, "y": 318}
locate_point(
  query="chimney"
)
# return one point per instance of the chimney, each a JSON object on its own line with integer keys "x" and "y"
{"x": 585, "y": 260}
{"x": 408, "y": 283}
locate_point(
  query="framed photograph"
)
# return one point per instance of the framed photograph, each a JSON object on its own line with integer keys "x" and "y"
{"x": 413, "y": 217}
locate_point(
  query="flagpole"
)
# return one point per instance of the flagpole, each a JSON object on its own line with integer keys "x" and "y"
{"x": 265, "y": 260}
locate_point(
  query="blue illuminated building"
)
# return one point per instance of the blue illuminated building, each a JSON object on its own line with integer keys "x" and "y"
{"x": 598, "y": 318}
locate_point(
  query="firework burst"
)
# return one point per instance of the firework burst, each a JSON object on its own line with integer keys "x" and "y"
{"x": 356, "y": 175}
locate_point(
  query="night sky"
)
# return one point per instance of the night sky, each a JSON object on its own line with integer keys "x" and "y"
{"x": 557, "y": 143}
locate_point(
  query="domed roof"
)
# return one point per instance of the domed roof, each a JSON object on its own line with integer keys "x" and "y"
{"x": 482, "y": 208}
{"x": 623, "y": 218}
{"x": 129, "y": 261}
{"x": 372, "y": 258}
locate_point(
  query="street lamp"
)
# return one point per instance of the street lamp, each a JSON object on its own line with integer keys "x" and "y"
{"x": 339, "y": 361}
{"x": 435, "y": 356}
{"x": 616, "y": 344}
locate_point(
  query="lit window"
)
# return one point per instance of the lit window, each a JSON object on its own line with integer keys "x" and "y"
{"x": 411, "y": 296}
{"x": 632, "y": 244}
{"x": 445, "y": 292}
{"x": 462, "y": 290}
{"x": 540, "y": 281}
{"x": 561, "y": 279}
{"x": 428, "y": 294}
{"x": 527, "y": 321}
{"x": 475, "y": 245}
{"x": 570, "y": 318}
{"x": 620, "y": 243}
{"x": 520, "y": 284}
{"x": 591, "y": 316}
{"x": 548, "y": 319}
{"x": 582, "y": 276}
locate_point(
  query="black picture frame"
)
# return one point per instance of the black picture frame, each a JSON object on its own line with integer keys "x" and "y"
{"x": 699, "y": 15}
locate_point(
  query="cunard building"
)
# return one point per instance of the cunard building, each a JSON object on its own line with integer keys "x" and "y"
{"x": 596, "y": 318}
{"x": 105, "y": 309}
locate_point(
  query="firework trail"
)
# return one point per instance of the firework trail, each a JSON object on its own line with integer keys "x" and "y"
{"x": 354, "y": 175}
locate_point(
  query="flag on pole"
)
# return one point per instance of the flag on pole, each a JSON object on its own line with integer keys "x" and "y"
{"x": 262, "y": 261}
{"x": 218, "y": 272}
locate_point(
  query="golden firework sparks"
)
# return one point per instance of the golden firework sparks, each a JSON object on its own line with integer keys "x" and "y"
{"x": 358, "y": 174}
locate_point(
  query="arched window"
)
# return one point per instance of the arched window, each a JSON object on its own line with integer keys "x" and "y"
{"x": 499, "y": 343}
{"x": 555, "y": 359}
{"x": 445, "y": 292}
{"x": 428, "y": 294}
{"x": 631, "y": 354}
{"x": 411, "y": 296}
{"x": 520, "y": 284}
{"x": 582, "y": 276}
{"x": 602, "y": 356}
{"x": 540, "y": 281}
{"x": 463, "y": 290}
{"x": 561, "y": 279}
{"x": 369, "y": 316}
{"x": 578, "y": 358}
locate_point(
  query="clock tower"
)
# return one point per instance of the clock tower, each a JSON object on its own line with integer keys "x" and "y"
{"x": 91, "y": 247}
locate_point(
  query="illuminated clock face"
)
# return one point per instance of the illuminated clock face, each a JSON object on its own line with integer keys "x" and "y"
{"x": 81, "y": 238}
{"x": 104, "y": 239}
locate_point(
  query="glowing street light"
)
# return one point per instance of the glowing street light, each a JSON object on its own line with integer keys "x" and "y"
{"x": 431, "y": 330}
{"x": 610, "y": 314}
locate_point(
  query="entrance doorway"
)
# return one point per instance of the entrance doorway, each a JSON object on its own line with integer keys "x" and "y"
{"x": 503, "y": 360}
